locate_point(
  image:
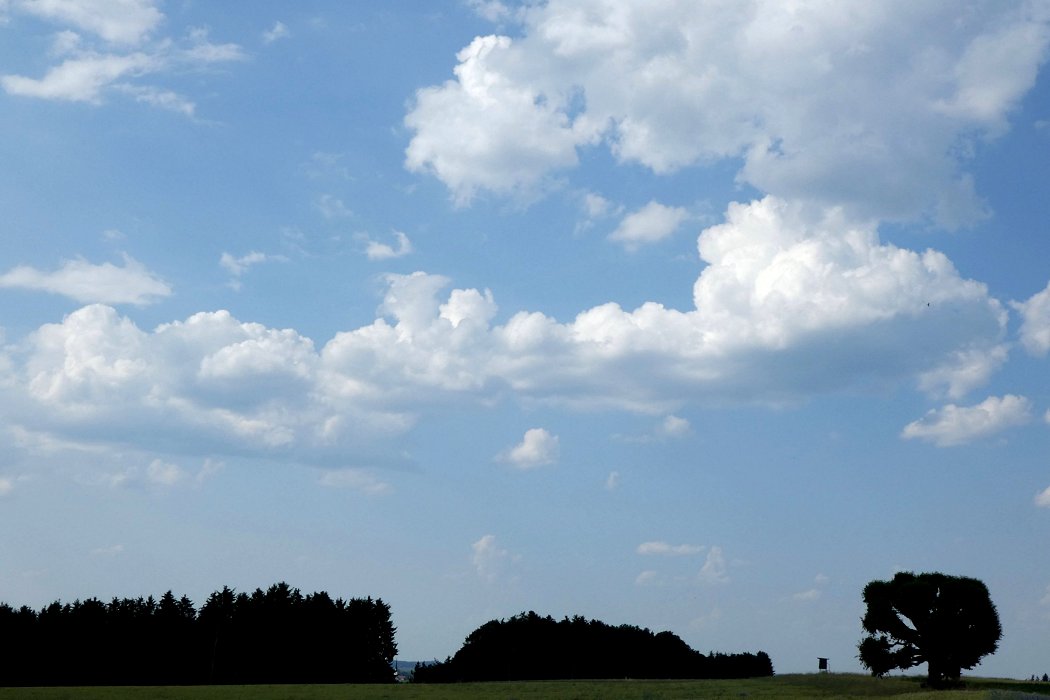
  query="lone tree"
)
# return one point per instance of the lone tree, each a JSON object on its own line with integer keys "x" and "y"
{"x": 947, "y": 622}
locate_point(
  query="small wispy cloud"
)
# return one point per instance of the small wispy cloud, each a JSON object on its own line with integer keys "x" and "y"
{"x": 356, "y": 479}
{"x": 325, "y": 165}
{"x": 125, "y": 57}
{"x": 595, "y": 208}
{"x": 670, "y": 428}
{"x": 668, "y": 550}
{"x": 156, "y": 97}
{"x": 812, "y": 594}
{"x": 492, "y": 10}
{"x": 1042, "y": 499}
{"x": 715, "y": 569}
{"x": 674, "y": 427}
{"x": 277, "y": 31}
{"x": 375, "y": 250}
{"x": 490, "y": 560}
{"x": 164, "y": 473}
{"x": 238, "y": 266}
{"x": 647, "y": 578}
{"x": 331, "y": 207}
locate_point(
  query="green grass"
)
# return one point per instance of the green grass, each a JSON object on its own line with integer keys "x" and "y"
{"x": 800, "y": 687}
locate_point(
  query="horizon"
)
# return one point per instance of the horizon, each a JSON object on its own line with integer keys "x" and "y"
{"x": 691, "y": 317}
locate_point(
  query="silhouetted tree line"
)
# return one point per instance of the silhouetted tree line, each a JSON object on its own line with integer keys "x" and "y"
{"x": 530, "y": 647}
{"x": 272, "y": 636}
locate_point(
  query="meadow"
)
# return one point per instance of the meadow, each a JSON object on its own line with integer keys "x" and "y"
{"x": 802, "y": 686}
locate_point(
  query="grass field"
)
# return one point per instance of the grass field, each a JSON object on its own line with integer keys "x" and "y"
{"x": 790, "y": 686}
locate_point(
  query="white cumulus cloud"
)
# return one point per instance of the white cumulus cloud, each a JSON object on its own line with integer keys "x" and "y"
{"x": 1035, "y": 322}
{"x": 130, "y": 283}
{"x": 650, "y": 224}
{"x": 536, "y": 449}
{"x": 796, "y": 91}
{"x": 794, "y": 300}
{"x": 486, "y": 130}
{"x": 957, "y": 425}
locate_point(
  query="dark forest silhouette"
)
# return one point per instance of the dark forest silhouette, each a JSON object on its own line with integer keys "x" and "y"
{"x": 272, "y": 636}
{"x": 530, "y": 647}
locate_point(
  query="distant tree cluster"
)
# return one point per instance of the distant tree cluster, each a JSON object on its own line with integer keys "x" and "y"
{"x": 272, "y": 636}
{"x": 530, "y": 647}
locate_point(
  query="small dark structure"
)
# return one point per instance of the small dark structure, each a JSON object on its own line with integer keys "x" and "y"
{"x": 822, "y": 664}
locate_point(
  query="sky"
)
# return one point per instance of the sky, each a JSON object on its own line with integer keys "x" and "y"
{"x": 691, "y": 316}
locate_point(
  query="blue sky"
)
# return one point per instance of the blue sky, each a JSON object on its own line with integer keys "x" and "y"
{"x": 694, "y": 317}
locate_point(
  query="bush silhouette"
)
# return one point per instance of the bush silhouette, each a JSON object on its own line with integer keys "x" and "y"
{"x": 531, "y": 647}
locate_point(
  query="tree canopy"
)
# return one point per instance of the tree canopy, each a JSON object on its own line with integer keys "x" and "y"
{"x": 531, "y": 647}
{"x": 272, "y": 636}
{"x": 946, "y": 622}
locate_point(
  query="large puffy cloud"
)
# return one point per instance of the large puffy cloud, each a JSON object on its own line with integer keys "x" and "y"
{"x": 523, "y": 137}
{"x": 797, "y": 91}
{"x": 783, "y": 275}
{"x": 794, "y": 300}
{"x": 209, "y": 383}
{"x": 957, "y": 425}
